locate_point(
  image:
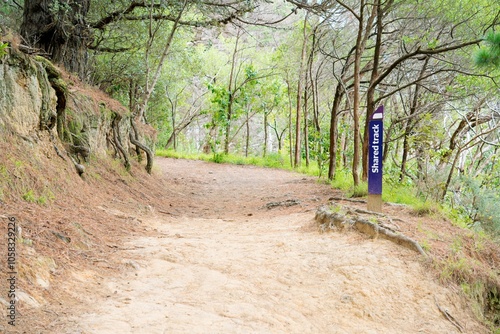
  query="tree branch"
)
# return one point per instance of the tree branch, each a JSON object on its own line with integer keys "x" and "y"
{"x": 115, "y": 16}
{"x": 407, "y": 56}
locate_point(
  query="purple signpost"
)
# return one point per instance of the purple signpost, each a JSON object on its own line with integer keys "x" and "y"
{"x": 375, "y": 154}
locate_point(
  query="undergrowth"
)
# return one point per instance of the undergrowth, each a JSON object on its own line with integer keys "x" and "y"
{"x": 272, "y": 160}
{"x": 24, "y": 180}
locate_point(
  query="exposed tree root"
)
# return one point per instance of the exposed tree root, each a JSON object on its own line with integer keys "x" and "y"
{"x": 134, "y": 139}
{"x": 337, "y": 220}
{"x": 287, "y": 203}
{"x": 117, "y": 141}
{"x": 449, "y": 317}
{"x": 347, "y": 199}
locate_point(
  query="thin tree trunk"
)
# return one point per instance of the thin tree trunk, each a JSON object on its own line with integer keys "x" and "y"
{"x": 247, "y": 142}
{"x": 332, "y": 163}
{"x": 298, "y": 149}
{"x": 410, "y": 123}
{"x": 450, "y": 175}
{"x": 290, "y": 132}
{"x": 174, "y": 135}
{"x": 115, "y": 124}
{"x": 229, "y": 114}
{"x": 356, "y": 96}
{"x": 370, "y": 95}
{"x": 266, "y": 134}
{"x": 334, "y": 113}
{"x": 134, "y": 139}
{"x": 151, "y": 85}
{"x": 132, "y": 105}
{"x": 306, "y": 129}
{"x": 279, "y": 136}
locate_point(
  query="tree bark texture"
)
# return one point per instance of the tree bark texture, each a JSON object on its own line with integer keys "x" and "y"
{"x": 59, "y": 30}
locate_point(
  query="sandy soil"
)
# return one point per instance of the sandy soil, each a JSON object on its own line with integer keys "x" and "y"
{"x": 224, "y": 253}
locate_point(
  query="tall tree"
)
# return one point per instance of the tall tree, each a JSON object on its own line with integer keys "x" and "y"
{"x": 300, "y": 91}
{"x": 60, "y": 30}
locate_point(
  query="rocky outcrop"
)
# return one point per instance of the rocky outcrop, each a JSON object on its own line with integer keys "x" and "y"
{"x": 37, "y": 97}
{"x": 27, "y": 101}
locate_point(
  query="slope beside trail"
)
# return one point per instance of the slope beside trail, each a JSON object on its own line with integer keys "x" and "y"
{"x": 235, "y": 249}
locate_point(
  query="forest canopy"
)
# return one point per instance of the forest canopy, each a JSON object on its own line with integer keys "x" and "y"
{"x": 298, "y": 81}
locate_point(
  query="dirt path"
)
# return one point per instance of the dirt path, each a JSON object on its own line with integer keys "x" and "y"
{"x": 235, "y": 250}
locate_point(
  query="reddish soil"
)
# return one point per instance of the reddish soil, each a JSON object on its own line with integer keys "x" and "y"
{"x": 209, "y": 248}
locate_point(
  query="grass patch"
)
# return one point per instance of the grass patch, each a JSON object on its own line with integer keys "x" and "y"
{"x": 361, "y": 190}
{"x": 31, "y": 197}
{"x": 424, "y": 208}
{"x": 181, "y": 155}
{"x": 400, "y": 194}
{"x": 273, "y": 160}
{"x": 342, "y": 181}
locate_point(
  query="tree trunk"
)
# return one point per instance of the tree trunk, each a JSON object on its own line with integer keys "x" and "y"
{"x": 306, "y": 129}
{"x": 211, "y": 142}
{"x": 332, "y": 166}
{"x": 450, "y": 174}
{"x": 356, "y": 96}
{"x": 247, "y": 141}
{"x": 290, "y": 132}
{"x": 115, "y": 124}
{"x": 279, "y": 136}
{"x": 297, "y": 158}
{"x": 134, "y": 139}
{"x": 151, "y": 84}
{"x": 370, "y": 95}
{"x": 228, "y": 123}
{"x": 133, "y": 94}
{"x": 61, "y": 31}
{"x": 266, "y": 134}
{"x": 231, "y": 92}
{"x": 174, "y": 125}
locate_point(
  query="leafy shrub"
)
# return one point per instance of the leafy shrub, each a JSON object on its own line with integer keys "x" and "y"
{"x": 3, "y": 49}
{"x": 480, "y": 204}
{"x": 342, "y": 180}
{"x": 218, "y": 158}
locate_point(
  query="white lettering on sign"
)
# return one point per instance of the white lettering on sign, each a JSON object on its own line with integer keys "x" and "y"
{"x": 376, "y": 149}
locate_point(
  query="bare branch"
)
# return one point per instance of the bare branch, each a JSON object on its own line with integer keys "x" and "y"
{"x": 419, "y": 51}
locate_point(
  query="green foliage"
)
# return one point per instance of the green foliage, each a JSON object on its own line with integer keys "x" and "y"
{"x": 218, "y": 158}
{"x": 342, "y": 180}
{"x": 4, "y": 179}
{"x": 10, "y": 15}
{"x": 399, "y": 194}
{"x": 479, "y": 203}
{"x": 489, "y": 55}
{"x": 424, "y": 207}
{"x": 29, "y": 196}
{"x": 274, "y": 160}
{"x": 361, "y": 190}
{"x": 3, "y": 49}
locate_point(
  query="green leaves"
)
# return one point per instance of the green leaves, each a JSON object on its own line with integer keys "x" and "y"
{"x": 3, "y": 49}
{"x": 489, "y": 55}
